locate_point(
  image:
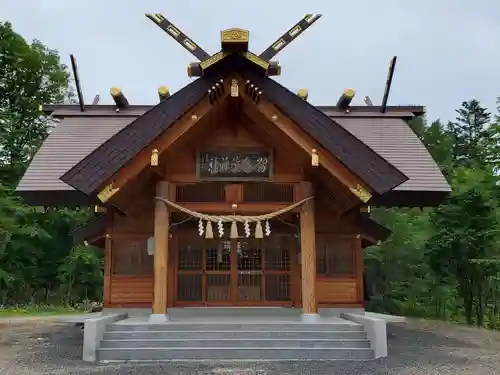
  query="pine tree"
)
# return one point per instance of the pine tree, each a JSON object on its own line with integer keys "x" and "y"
{"x": 470, "y": 132}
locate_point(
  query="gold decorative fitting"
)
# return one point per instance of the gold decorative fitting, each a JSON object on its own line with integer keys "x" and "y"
{"x": 115, "y": 91}
{"x": 358, "y": 235}
{"x": 361, "y": 193}
{"x": 99, "y": 209}
{"x": 154, "y": 158}
{"x": 105, "y": 194}
{"x": 314, "y": 158}
{"x": 234, "y": 35}
{"x": 213, "y": 59}
{"x": 256, "y": 60}
{"x": 349, "y": 93}
{"x": 274, "y": 117}
{"x": 303, "y": 94}
{"x": 365, "y": 209}
{"x": 194, "y": 117}
{"x": 234, "y": 88}
{"x": 234, "y": 40}
{"x": 163, "y": 91}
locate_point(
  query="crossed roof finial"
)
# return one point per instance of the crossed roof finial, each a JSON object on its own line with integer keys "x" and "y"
{"x": 233, "y": 41}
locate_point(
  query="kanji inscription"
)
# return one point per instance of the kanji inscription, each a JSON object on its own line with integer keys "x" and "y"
{"x": 235, "y": 165}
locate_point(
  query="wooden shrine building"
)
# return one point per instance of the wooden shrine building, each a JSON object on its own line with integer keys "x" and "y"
{"x": 233, "y": 191}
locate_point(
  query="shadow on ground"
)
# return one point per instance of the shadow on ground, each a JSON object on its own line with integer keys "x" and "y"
{"x": 414, "y": 348}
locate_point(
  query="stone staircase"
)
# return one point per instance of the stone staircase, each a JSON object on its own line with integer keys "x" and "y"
{"x": 234, "y": 341}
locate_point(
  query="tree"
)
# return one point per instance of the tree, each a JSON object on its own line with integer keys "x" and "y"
{"x": 465, "y": 244}
{"x": 33, "y": 245}
{"x": 439, "y": 141}
{"x": 470, "y": 133}
{"x": 492, "y": 147}
{"x": 30, "y": 75}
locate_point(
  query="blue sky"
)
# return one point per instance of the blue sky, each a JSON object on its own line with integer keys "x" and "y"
{"x": 448, "y": 50}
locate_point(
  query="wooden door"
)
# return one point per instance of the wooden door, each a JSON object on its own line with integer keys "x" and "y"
{"x": 243, "y": 272}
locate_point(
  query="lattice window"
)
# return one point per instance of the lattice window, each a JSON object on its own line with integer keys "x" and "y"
{"x": 335, "y": 256}
{"x": 130, "y": 257}
{"x": 200, "y": 192}
{"x": 218, "y": 256}
{"x": 190, "y": 258}
{"x": 278, "y": 287}
{"x": 189, "y": 287}
{"x": 267, "y": 192}
{"x": 277, "y": 257}
{"x": 218, "y": 287}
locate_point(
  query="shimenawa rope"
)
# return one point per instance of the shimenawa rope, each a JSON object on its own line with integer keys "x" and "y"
{"x": 231, "y": 218}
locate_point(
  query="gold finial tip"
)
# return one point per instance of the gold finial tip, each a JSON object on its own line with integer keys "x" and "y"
{"x": 115, "y": 91}
{"x": 303, "y": 94}
{"x": 163, "y": 90}
{"x": 349, "y": 92}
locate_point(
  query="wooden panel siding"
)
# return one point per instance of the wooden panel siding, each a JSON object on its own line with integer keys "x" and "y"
{"x": 131, "y": 290}
{"x": 333, "y": 291}
{"x": 339, "y": 271}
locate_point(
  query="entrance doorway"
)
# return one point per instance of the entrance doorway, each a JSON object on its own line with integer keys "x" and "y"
{"x": 239, "y": 272}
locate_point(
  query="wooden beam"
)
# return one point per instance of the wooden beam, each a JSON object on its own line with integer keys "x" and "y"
{"x": 307, "y": 143}
{"x": 161, "y": 231}
{"x": 194, "y": 69}
{"x": 388, "y": 83}
{"x": 178, "y": 36}
{"x": 234, "y": 40}
{"x": 119, "y": 98}
{"x": 107, "y": 270}
{"x": 308, "y": 250}
{"x": 274, "y": 68}
{"x": 77, "y": 82}
{"x": 345, "y": 99}
{"x": 289, "y": 36}
{"x": 162, "y": 143}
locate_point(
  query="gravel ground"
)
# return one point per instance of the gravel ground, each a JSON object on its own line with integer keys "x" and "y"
{"x": 419, "y": 347}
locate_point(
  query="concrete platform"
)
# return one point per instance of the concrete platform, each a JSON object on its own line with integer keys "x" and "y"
{"x": 194, "y": 320}
{"x": 237, "y": 333}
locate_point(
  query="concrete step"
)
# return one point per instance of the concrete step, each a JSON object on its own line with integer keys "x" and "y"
{"x": 237, "y": 343}
{"x": 221, "y": 334}
{"x": 234, "y": 327}
{"x": 233, "y": 312}
{"x": 249, "y": 354}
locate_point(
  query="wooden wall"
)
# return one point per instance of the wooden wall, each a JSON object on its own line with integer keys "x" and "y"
{"x": 337, "y": 243}
{"x": 128, "y": 234}
{"x": 224, "y": 133}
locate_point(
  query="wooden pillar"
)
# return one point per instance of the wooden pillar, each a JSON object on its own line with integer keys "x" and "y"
{"x": 161, "y": 232}
{"x": 107, "y": 271}
{"x": 308, "y": 252}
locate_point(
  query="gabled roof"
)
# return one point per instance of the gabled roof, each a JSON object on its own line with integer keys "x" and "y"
{"x": 372, "y": 168}
{"x": 386, "y": 134}
{"x": 107, "y": 159}
{"x": 122, "y": 147}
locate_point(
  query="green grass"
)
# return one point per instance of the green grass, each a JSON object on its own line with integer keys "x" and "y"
{"x": 37, "y": 311}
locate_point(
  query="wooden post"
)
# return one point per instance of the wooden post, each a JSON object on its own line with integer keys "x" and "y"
{"x": 308, "y": 253}
{"x": 107, "y": 271}
{"x": 161, "y": 231}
